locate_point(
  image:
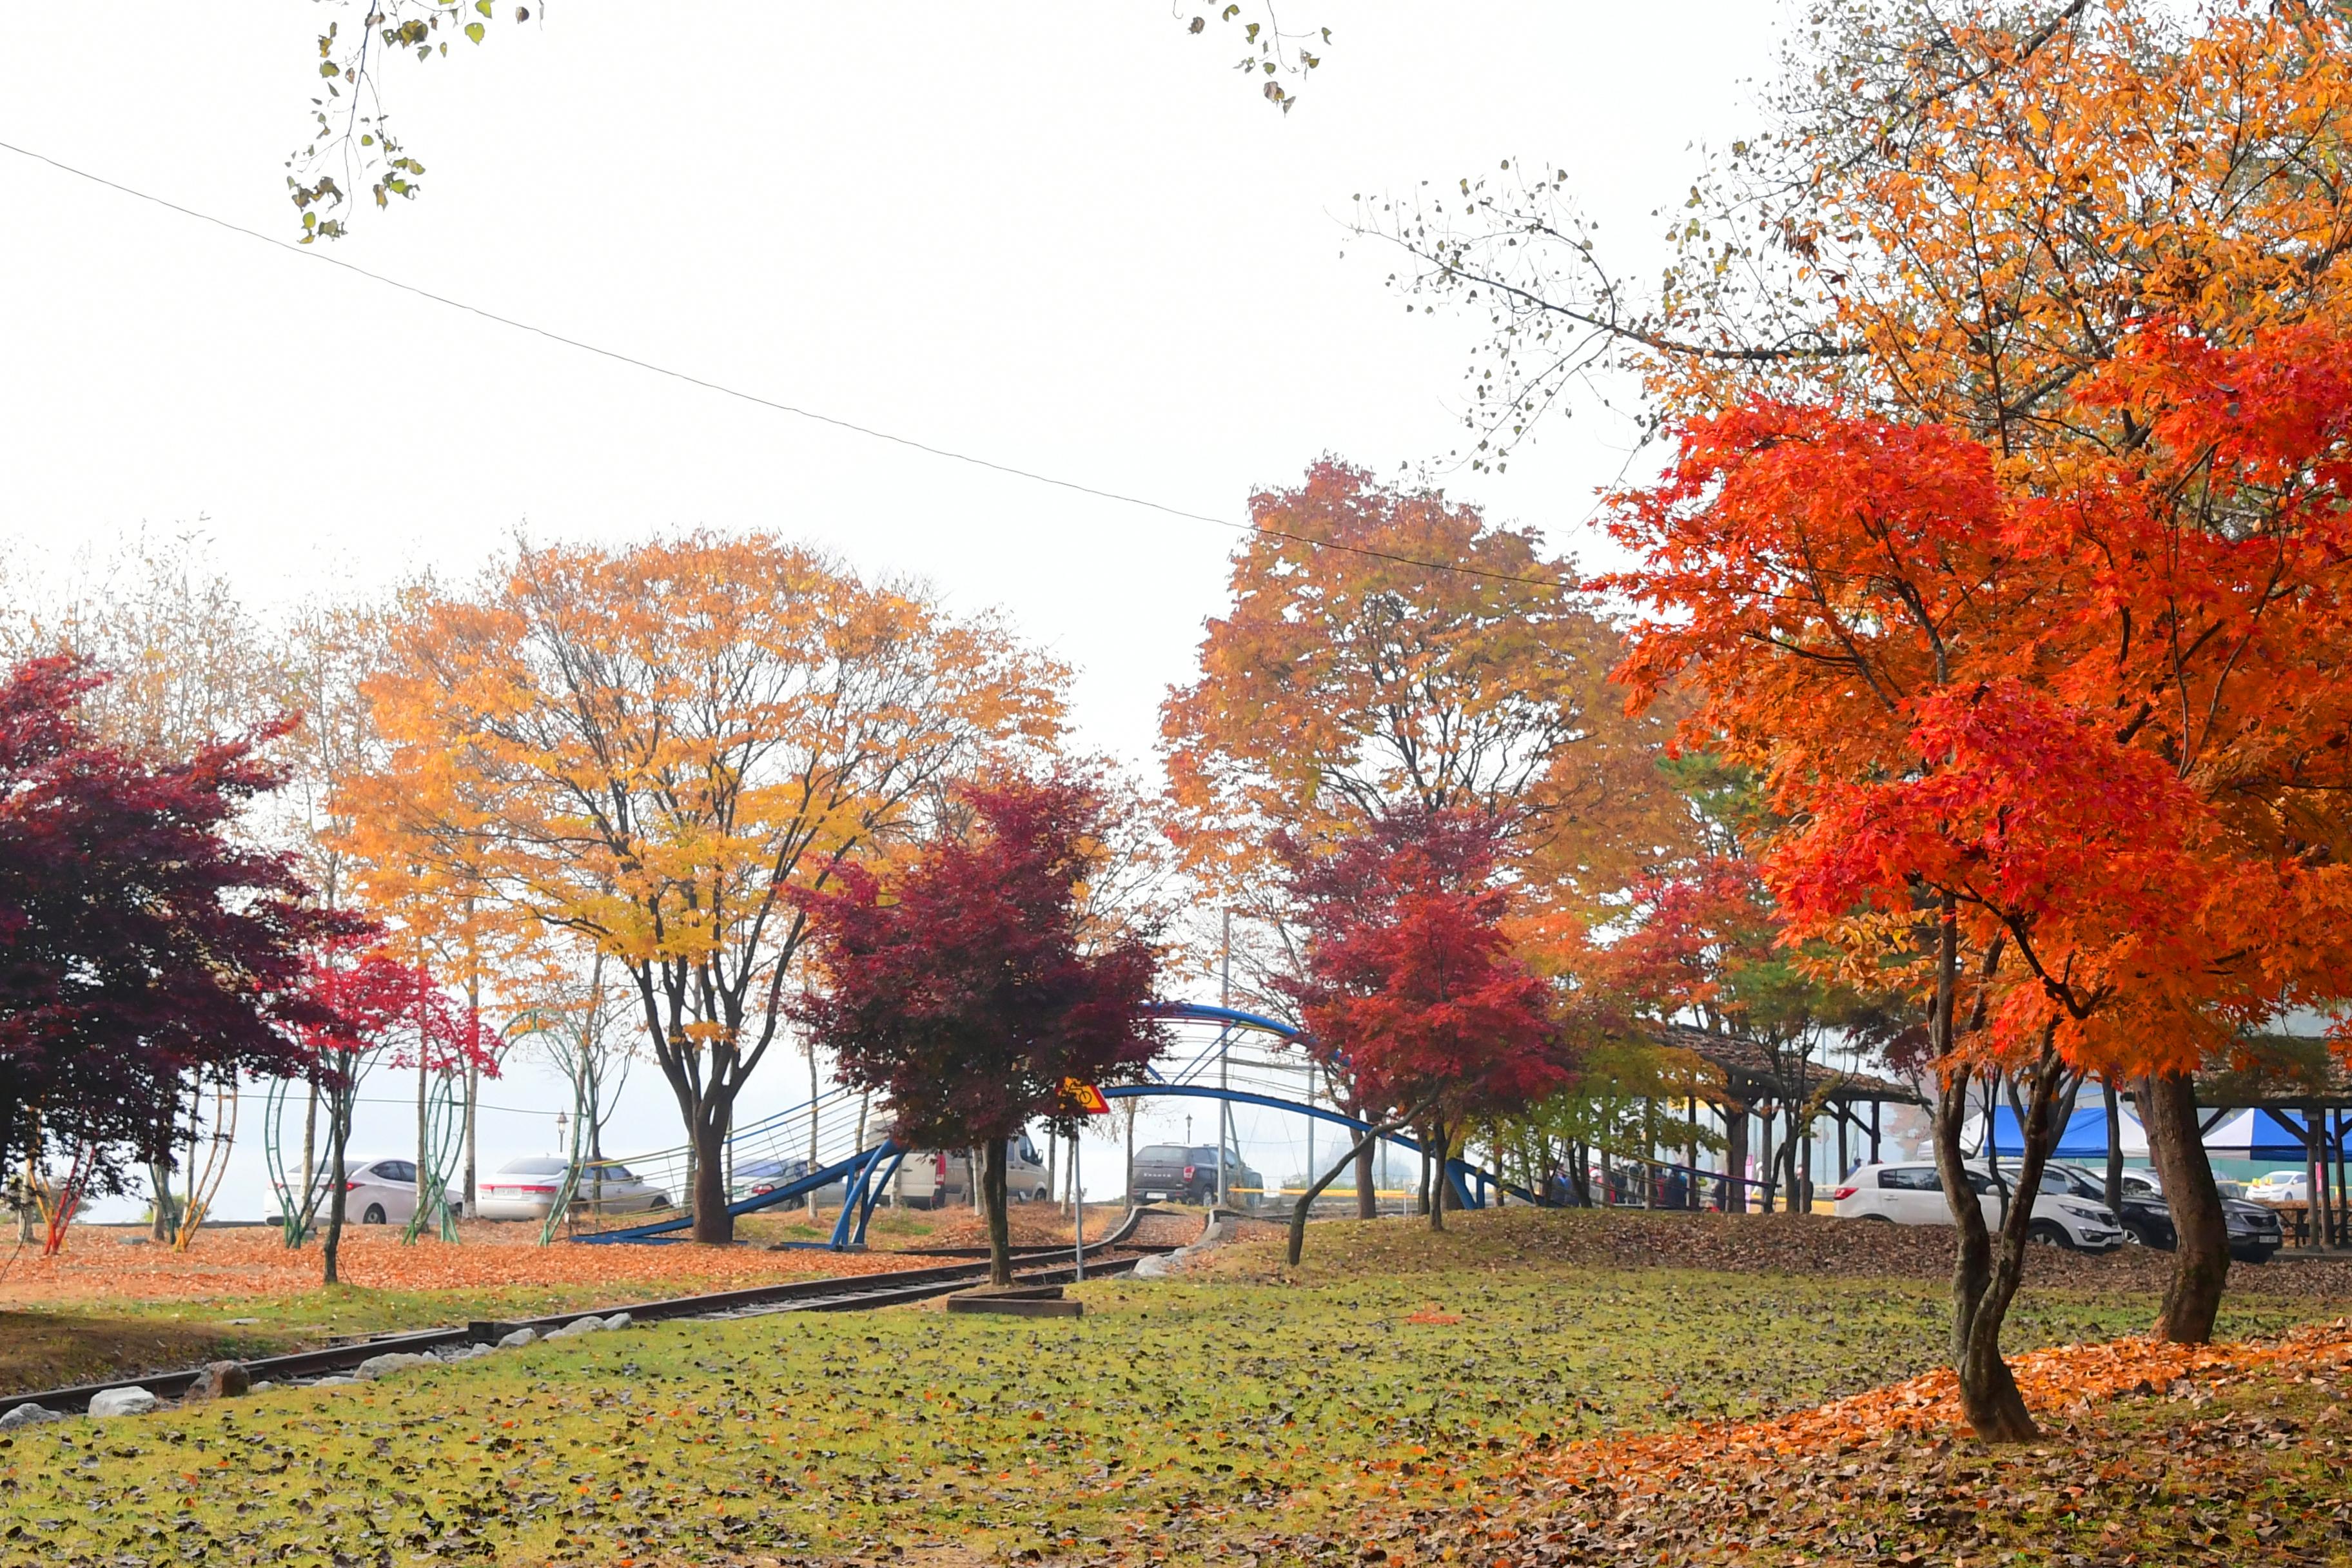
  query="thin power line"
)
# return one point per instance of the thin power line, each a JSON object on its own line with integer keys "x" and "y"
{"x": 726, "y": 391}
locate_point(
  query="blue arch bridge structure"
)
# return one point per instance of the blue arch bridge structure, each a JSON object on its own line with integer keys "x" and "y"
{"x": 794, "y": 1146}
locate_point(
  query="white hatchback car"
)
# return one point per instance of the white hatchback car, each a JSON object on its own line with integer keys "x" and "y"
{"x": 2280, "y": 1188}
{"x": 1912, "y": 1193}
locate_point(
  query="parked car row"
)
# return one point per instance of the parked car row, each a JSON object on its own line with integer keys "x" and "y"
{"x": 383, "y": 1191}
{"x": 2069, "y": 1207}
{"x": 2253, "y": 1231}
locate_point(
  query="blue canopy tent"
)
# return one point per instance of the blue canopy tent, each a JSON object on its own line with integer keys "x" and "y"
{"x": 2085, "y": 1136}
{"x": 2261, "y": 1136}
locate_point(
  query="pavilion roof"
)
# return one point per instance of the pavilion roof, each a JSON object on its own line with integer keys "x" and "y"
{"x": 2282, "y": 1071}
{"x": 1751, "y": 1074}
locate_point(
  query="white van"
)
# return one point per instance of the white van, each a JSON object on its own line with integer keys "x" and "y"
{"x": 928, "y": 1179}
{"x": 1912, "y": 1193}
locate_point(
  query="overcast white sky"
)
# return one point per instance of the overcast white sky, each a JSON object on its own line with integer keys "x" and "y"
{"x": 1063, "y": 236}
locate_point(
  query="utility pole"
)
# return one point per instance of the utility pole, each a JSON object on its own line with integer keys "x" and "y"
{"x": 473, "y": 1054}
{"x": 1225, "y": 1066}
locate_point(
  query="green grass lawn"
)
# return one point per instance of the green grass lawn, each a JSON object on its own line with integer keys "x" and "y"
{"x": 1172, "y": 1412}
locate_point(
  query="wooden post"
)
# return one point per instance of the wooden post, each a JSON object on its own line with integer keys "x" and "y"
{"x": 1690, "y": 1151}
{"x": 2323, "y": 1229}
{"x": 1735, "y": 1157}
{"x": 1873, "y": 1131}
{"x": 1649, "y": 1151}
{"x": 2338, "y": 1119}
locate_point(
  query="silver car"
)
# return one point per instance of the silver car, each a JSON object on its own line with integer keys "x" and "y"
{"x": 525, "y": 1188}
{"x": 375, "y": 1192}
{"x": 380, "y": 1192}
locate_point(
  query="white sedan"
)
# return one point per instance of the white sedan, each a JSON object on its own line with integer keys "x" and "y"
{"x": 379, "y": 1191}
{"x": 525, "y": 1188}
{"x": 375, "y": 1192}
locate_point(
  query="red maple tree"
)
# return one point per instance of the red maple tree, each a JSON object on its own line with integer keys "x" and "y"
{"x": 976, "y": 986}
{"x": 140, "y": 943}
{"x": 1408, "y": 982}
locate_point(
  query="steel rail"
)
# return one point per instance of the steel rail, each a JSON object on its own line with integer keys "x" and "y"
{"x": 1033, "y": 1266}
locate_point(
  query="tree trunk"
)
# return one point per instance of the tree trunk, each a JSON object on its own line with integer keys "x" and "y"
{"x": 713, "y": 1225}
{"x": 2115, "y": 1187}
{"x": 1354, "y": 1156}
{"x": 1368, "y": 1195}
{"x": 1435, "y": 1148}
{"x": 339, "y": 1137}
{"x": 2201, "y": 1257}
{"x": 165, "y": 1218}
{"x": 1987, "y": 1268}
{"x": 1000, "y": 1225}
{"x": 473, "y": 1140}
{"x": 309, "y": 1163}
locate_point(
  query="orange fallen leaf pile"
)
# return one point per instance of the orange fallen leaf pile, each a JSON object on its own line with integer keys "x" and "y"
{"x": 1431, "y": 1315}
{"x": 97, "y": 1266}
{"x": 2065, "y": 1378}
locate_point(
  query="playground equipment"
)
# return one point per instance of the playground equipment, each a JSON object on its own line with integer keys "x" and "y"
{"x": 549, "y": 1023}
{"x": 1274, "y": 1078}
{"x": 57, "y": 1201}
{"x": 204, "y": 1177}
{"x": 445, "y": 1145}
{"x": 298, "y": 1193}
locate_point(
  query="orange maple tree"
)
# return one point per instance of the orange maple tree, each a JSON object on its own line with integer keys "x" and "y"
{"x": 1389, "y": 650}
{"x": 2073, "y": 233}
{"x": 1391, "y": 654}
{"x": 1921, "y": 653}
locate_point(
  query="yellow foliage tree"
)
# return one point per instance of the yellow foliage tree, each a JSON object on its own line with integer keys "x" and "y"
{"x": 652, "y": 747}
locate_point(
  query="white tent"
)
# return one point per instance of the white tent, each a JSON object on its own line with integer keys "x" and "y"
{"x": 2259, "y": 1135}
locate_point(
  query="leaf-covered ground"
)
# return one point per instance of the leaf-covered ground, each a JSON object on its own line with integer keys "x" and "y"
{"x": 2150, "y": 1454}
{"x": 113, "y": 1305}
{"x": 1177, "y": 1419}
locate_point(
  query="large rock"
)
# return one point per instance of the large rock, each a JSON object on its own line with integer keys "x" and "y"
{"x": 577, "y": 1326}
{"x": 220, "y": 1380}
{"x": 122, "y": 1401}
{"x": 375, "y": 1366}
{"x": 517, "y": 1340}
{"x": 28, "y": 1415}
{"x": 618, "y": 1321}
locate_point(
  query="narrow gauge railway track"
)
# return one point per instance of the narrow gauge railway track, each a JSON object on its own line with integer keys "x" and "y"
{"x": 862, "y": 1292}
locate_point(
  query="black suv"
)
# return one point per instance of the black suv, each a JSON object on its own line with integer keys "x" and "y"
{"x": 2254, "y": 1234}
{"x": 1187, "y": 1174}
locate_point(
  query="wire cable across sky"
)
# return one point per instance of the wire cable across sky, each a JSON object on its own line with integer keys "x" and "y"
{"x": 946, "y": 453}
